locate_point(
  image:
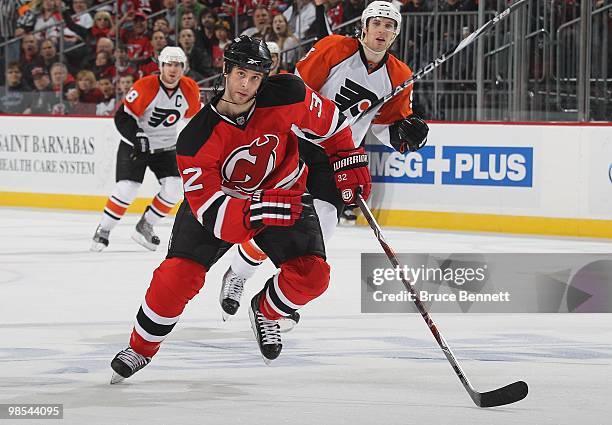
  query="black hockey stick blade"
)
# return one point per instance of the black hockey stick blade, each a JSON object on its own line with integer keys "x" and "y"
{"x": 505, "y": 395}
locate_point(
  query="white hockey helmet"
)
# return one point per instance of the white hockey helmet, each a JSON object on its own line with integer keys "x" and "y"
{"x": 172, "y": 54}
{"x": 383, "y": 9}
{"x": 273, "y": 48}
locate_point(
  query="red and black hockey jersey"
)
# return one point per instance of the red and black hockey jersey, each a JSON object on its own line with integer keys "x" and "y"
{"x": 337, "y": 68}
{"x": 223, "y": 161}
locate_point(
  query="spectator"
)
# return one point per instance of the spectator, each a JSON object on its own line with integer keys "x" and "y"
{"x": 205, "y": 35}
{"x": 414, "y": 6}
{"x": 103, "y": 65}
{"x": 83, "y": 19}
{"x": 170, "y": 14}
{"x": 135, "y": 39}
{"x": 262, "y": 24}
{"x": 162, "y": 24}
{"x": 14, "y": 98}
{"x": 301, "y": 16}
{"x": 282, "y": 35}
{"x": 102, "y": 27}
{"x": 48, "y": 55}
{"x": 48, "y": 17}
{"x": 60, "y": 78}
{"x": 107, "y": 106}
{"x": 222, "y": 34}
{"x": 150, "y": 65}
{"x": 125, "y": 6}
{"x": 43, "y": 98}
{"x": 122, "y": 64}
{"x": 188, "y": 20}
{"x": 352, "y": 9}
{"x": 106, "y": 8}
{"x": 123, "y": 87}
{"x": 29, "y": 56}
{"x": 8, "y": 18}
{"x": 192, "y": 6}
{"x": 88, "y": 94}
{"x": 103, "y": 44}
{"x": 198, "y": 60}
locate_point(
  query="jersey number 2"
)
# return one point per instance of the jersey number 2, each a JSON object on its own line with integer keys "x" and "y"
{"x": 188, "y": 185}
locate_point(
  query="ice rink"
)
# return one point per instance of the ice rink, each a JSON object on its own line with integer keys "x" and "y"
{"x": 65, "y": 312}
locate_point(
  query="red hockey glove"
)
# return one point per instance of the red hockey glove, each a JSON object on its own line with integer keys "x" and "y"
{"x": 275, "y": 207}
{"x": 351, "y": 174}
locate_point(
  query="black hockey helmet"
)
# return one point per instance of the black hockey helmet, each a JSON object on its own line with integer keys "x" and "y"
{"x": 249, "y": 53}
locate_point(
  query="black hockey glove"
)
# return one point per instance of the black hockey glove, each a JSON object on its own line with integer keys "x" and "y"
{"x": 141, "y": 145}
{"x": 409, "y": 134}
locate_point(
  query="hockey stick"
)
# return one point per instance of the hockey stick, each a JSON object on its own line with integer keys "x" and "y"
{"x": 440, "y": 60}
{"x": 504, "y": 395}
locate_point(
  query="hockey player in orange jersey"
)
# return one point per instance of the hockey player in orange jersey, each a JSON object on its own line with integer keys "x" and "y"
{"x": 147, "y": 122}
{"x": 353, "y": 73}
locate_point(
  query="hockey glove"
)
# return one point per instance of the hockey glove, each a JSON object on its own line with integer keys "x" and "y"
{"x": 409, "y": 134}
{"x": 351, "y": 174}
{"x": 141, "y": 145}
{"x": 275, "y": 207}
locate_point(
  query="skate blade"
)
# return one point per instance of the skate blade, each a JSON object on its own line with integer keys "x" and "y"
{"x": 267, "y": 361}
{"x": 224, "y": 315}
{"x": 140, "y": 240}
{"x": 97, "y": 247}
{"x": 116, "y": 378}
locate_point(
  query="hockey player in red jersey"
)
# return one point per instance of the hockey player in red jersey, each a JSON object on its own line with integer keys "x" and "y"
{"x": 353, "y": 73}
{"x": 243, "y": 180}
{"x": 147, "y": 122}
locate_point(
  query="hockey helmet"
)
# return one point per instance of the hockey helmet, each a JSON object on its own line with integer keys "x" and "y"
{"x": 381, "y": 9}
{"x": 249, "y": 53}
{"x": 273, "y": 48}
{"x": 172, "y": 54}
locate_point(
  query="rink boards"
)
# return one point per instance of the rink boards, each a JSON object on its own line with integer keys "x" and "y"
{"x": 517, "y": 178}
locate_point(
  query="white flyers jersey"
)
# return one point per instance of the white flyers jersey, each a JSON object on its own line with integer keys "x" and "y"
{"x": 337, "y": 68}
{"x": 157, "y": 113}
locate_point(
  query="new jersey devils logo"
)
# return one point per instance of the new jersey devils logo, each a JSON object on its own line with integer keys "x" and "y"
{"x": 247, "y": 166}
{"x": 354, "y": 97}
{"x": 168, "y": 117}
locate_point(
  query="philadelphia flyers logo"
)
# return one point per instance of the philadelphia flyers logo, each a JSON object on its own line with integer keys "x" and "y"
{"x": 247, "y": 166}
{"x": 167, "y": 117}
{"x": 354, "y": 98}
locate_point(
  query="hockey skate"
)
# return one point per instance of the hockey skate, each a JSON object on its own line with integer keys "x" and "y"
{"x": 100, "y": 239}
{"x": 144, "y": 235}
{"x": 126, "y": 363}
{"x": 267, "y": 332}
{"x": 348, "y": 217}
{"x": 232, "y": 287}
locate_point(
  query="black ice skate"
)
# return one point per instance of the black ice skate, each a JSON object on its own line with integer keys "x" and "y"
{"x": 267, "y": 332}
{"x": 232, "y": 286}
{"x": 126, "y": 363}
{"x": 145, "y": 236}
{"x": 100, "y": 239}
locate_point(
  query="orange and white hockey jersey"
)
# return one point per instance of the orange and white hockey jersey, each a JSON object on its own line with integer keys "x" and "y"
{"x": 157, "y": 113}
{"x": 337, "y": 68}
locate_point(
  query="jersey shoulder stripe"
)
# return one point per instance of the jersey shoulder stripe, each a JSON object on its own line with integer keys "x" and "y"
{"x": 192, "y": 93}
{"x": 398, "y": 70}
{"x": 325, "y": 55}
{"x": 197, "y": 132}
{"x": 280, "y": 90}
{"x": 141, "y": 94}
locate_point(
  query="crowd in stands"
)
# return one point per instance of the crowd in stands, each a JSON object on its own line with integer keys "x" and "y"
{"x": 81, "y": 56}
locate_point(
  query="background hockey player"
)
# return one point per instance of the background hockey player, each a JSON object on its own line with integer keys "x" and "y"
{"x": 243, "y": 179}
{"x": 353, "y": 73}
{"x": 147, "y": 122}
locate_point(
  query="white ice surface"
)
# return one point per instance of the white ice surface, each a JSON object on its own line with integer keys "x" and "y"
{"x": 65, "y": 312}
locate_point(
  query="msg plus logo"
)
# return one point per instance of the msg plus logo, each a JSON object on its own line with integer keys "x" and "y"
{"x": 454, "y": 165}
